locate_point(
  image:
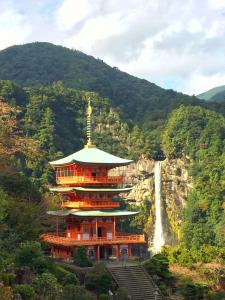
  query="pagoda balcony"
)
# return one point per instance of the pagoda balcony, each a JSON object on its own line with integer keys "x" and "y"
{"x": 90, "y": 204}
{"x": 119, "y": 238}
{"x": 86, "y": 180}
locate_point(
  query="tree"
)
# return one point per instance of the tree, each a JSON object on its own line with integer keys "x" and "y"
{"x": 74, "y": 292}
{"x": 26, "y": 291}
{"x": 98, "y": 279}
{"x": 46, "y": 286}
{"x": 81, "y": 259}
{"x": 30, "y": 254}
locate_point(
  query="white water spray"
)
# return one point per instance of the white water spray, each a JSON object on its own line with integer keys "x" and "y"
{"x": 158, "y": 240}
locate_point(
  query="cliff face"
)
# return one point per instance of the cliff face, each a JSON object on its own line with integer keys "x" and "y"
{"x": 175, "y": 187}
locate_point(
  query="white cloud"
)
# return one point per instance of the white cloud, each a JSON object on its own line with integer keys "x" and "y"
{"x": 94, "y": 30}
{"x": 71, "y": 12}
{"x": 217, "y": 4}
{"x": 13, "y": 28}
{"x": 201, "y": 83}
{"x": 175, "y": 44}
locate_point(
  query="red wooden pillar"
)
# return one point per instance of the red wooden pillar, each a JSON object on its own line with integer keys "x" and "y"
{"x": 96, "y": 227}
{"x": 98, "y": 253}
{"x": 114, "y": 227}
{"x": 118, "y": 252}
{"x": 129, "y": 251}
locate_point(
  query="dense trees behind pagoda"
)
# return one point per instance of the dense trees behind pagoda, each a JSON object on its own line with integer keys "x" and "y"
{"x": 52, "y": 118}
{"x": 39, "y": 123}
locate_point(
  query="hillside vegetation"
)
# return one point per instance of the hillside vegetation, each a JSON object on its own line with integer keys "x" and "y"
{"x": 216, "y": 94}
{"x": 43, "y": 63}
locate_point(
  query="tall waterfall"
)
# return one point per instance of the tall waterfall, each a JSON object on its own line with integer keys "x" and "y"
{"x": 158, "y": 240}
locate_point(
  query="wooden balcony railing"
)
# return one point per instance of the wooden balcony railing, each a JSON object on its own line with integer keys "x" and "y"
{"x": 82, "y": 180}
{"x": 90, "y": 204}
{"x": 118, "y": 239}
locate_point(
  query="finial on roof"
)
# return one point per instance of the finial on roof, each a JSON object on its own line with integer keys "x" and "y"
{"x": 89, "y": 123}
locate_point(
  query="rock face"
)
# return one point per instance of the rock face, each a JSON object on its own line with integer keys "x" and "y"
{"x": 176, "y": 185}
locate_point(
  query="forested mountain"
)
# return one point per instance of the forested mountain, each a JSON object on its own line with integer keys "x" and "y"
{"x": 216, "y": 94}
{"x": 42, "y": 118}
{"x": 43, "y": 63}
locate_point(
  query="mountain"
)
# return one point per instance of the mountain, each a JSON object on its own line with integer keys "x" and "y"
{"x": 216, "y": 94}
{"x": 43, "y": 63}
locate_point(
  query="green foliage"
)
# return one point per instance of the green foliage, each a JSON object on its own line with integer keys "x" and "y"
{"x": 158, "y": 266}
{"x": 192, "y": 291}
{"x": 103, "y": 297}
{"x": 188, "y": 257}
{"x": 64, "y": 277}
{"x": 26, "y": 291}
{"x": 98, "y": 279}
{"x": 74, "y": 292}
{"x": 122, "y": 294}
{"x": 30, "y": 254}
{"x": 139, "y": 222}
{"x": 199, "y": 134}
{"x": 46, "y": 286}
{"x": 81, "y": 259}
{"x": 3, "y": 197}
{"x": 43, "y": 63}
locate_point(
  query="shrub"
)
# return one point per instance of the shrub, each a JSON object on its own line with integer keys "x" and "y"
{"x": 6, "y": 292}
{"x": 64, "y": 277}
{"x": 26, "y": 291}
{"x": 46, "y": 286}
{"x": 81, "y": 259}
{"x": 159, "y": 265}
{"x": 30, "y": 254}
{"x": 74, "y": 292}
{"x": 103, "y": 297}
{"x": 98, "y": 279}
{"x": 122, "y": 294}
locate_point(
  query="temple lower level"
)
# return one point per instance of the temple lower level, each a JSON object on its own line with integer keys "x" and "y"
{"x": 97, "y": 231}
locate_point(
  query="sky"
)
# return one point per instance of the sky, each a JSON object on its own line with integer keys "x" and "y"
{"x": 176, "y": 44}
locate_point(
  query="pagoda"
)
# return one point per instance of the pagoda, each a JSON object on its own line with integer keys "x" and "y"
{"x": 87, "y": 185}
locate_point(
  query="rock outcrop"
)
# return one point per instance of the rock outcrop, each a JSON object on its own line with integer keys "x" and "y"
{"x": 176, "y": 185}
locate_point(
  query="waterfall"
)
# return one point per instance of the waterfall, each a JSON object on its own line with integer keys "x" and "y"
{"x": 158, "y": 240}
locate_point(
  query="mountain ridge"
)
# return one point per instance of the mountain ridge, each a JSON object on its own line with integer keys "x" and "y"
{"x": 43, "y": 63}
{"x": 216, "y": 94}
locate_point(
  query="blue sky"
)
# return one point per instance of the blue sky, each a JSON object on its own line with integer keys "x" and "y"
{"x": 175, "y": 44}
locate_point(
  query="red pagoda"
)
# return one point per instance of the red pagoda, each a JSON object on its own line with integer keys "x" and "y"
{"x": 86, "y": 182}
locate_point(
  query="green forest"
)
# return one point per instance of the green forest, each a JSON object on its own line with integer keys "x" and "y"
{"x": 42, "y": 118}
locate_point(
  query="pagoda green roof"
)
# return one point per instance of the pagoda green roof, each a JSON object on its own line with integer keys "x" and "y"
{"x": 63, "y": 189}
{"x": 91, "y": 156}
{"x": 91, "y": 213}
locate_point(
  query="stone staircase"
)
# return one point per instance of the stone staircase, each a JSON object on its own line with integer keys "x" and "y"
{"x": 136, "y": 281}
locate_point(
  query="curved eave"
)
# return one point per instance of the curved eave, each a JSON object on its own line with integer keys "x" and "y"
{"x": 114, "y": 190}
{"x": 81, "y": 189}
{"x": 91, "y": 156}
{"x": 91, "y": 213}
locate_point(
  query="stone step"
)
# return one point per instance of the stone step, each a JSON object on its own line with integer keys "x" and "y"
{"x": 135, "y": 279}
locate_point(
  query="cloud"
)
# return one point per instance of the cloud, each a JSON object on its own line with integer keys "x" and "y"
{"x": 179, "y": 45}
{"x": 13, "y": 27}
{"x": 71, "y": 12}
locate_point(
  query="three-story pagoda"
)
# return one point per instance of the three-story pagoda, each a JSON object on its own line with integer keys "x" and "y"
{"x": 91, "y": 215}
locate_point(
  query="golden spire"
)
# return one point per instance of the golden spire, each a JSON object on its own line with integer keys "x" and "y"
{"x": 89, "y": 123}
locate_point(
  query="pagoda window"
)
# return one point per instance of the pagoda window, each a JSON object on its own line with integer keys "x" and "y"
{"x": 86, "y": 229}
